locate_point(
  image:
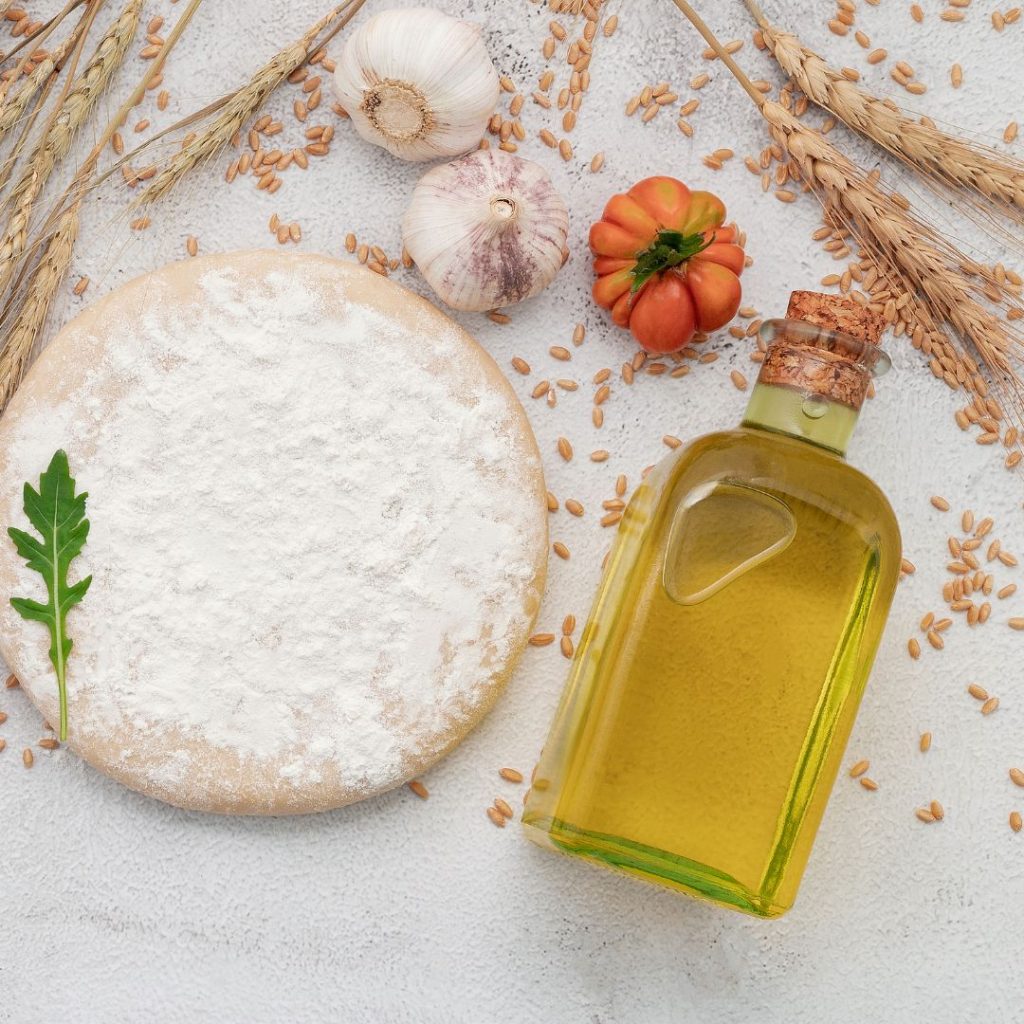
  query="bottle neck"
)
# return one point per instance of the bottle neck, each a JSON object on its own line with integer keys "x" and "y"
{"x": 812, "y": 418}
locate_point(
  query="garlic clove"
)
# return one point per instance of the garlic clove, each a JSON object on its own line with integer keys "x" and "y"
{"x": 417, "y": 82}
{"x": 486, "y": 230}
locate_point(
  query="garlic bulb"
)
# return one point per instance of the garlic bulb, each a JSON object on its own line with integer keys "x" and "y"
{"x": 486, "y": 230}
{"x": 417, "y": 82}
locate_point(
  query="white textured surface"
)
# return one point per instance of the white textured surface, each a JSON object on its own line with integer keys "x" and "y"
{"x": 120, "y": 909}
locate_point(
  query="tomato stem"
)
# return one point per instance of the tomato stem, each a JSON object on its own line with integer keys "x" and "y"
{"x": 669, "y": 249}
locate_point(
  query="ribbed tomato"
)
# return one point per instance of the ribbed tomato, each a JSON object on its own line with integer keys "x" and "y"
{"x": 667, "y": 265}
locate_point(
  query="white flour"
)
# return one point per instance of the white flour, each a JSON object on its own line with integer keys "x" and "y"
{"x": 309, "y": 551}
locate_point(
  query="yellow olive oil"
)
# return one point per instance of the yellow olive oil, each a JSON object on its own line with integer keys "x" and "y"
{"x": 718, "y": 676}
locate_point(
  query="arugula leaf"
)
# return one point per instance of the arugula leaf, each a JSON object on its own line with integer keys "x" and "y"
{"x": 669, "y": 249}
{"x": 59, "y": 516}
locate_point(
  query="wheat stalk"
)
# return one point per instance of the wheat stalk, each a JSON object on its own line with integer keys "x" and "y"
{"x": 925, "y": 264}
{"x": 56, "y": 140}
{"x": 58, "y": 237}
{"x": 201, "y": 114}
{"x": 242, "y": 105}
{"x": 948, "y": 159}
{"x": 13, "y": 108}
{"x": 87, "y": 168}
{"x": 81, "y": 98}
{"x": 42, "y": 287}
{"x": 920, "y": 272}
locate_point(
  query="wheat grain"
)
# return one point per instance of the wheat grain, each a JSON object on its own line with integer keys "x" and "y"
{"x": 503, "y": 808}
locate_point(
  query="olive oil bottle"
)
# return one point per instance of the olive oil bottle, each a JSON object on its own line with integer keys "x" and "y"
{"x": 718, "y": 676}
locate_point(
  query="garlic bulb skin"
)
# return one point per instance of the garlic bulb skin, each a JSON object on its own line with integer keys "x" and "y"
{"x": 417, "y": 82}
{"x": 486, "y": 230}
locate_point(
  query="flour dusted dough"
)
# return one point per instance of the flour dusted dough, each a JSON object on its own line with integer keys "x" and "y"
{"x": 318, "y": 532}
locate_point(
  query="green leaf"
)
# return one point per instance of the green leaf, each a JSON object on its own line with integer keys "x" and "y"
{"x": 669, "y": 249}
{"x": 58, "y": 514}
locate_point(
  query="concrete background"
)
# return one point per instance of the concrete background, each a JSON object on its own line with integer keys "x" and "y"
{"x": 115, "y": 908}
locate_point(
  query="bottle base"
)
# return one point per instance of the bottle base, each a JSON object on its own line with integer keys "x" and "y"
{"x": 652, "y": 865}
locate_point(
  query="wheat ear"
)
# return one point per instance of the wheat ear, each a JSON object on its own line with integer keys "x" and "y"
{"x": 81, "y": 98}
{"x": 241, "y": 106}
{"x": 27, "y": 125}
{"x": 948, "y": 159}
{"x": 34, "y": 39}
{"x": 927, "y": 265}
{"x": 15, "y": 104}
{"x": 59, "y": 234}
{"x": 42, "y": 287}
{"x": 60, "y": 131}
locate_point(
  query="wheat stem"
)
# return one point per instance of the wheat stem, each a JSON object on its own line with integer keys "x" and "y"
{"x": 756, "y": 13}
{"x": 726, "y": 58}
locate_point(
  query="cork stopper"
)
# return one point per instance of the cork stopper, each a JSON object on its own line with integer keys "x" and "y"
{"x": 837, "y": 313}
{"x": 826, "y": 346}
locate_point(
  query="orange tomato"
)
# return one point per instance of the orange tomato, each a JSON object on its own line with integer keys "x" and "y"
{"x": 667, "y": 265}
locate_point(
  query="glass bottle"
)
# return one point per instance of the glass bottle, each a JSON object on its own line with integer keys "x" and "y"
{"x": 717, "y": 679}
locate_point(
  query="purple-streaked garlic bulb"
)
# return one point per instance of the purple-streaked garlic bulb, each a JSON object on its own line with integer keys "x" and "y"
{"x": 486, "y": 230}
